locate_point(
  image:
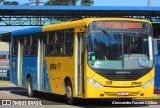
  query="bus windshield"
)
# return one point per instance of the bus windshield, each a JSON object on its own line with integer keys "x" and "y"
{"x": 120, "y": 50}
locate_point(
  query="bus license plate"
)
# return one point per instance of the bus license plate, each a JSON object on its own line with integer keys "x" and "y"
{"x": 122, "y": 93}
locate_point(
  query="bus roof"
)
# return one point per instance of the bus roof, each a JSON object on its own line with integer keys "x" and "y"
{"x": 27, "y": 31}
{"x": 82, "y": 23}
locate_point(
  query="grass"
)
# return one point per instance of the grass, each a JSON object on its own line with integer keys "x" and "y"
{"x": 156, "y": 96}
{"x": 5, "y": 82}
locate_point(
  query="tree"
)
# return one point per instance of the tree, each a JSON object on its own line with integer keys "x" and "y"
{"x": 62, "y": 2}
{"x": 10, "y": 3}
{"x": 87, "y": 2}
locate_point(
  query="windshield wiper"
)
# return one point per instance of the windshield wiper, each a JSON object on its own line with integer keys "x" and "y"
{"x": 105, "y": 31}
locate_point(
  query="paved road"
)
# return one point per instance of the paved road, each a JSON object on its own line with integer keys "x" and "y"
{"x": 10, "y": 91}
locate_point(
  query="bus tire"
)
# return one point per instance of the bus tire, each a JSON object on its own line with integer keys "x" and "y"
{"x": 30, "y": 87}
{"x": 69, "y": 93}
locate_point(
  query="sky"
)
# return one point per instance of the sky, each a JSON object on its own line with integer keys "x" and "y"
{"x": 110, "y": 2}
{"x": 96, "y": 3}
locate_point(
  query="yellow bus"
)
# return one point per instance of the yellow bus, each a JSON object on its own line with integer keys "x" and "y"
{"x": 87, "y": 58}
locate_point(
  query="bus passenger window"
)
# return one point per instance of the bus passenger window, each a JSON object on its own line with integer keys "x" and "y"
{"x": 34, "y": 45}
{"x": 68, "y": 48}
{"x": 59, "y": 45}
{"x": 69, "y": 36}
{"x": 51, "y": 43}
{"x": 59, "y": 36}
{"x": 15, "y": 46}
{"x": 27, "y": 45}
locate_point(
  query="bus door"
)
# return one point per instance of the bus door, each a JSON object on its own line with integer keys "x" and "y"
{"x": 80, "y": 65}
{"x": 40, "y": 64}
{"x": 20, "y": 61}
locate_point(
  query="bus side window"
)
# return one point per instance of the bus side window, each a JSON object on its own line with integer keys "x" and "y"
{"x": 59, "y": 45}
{"x": 27, "y": 45}
{"x": 15, "y": 46}
{"x": 69, "y": 36}
{"x": 50, "y": 43}
{"x": 34, "y": 45}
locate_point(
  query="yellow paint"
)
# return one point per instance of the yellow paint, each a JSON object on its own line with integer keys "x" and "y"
{"x": 57, "y": 76}
{"x": 148, "y": 92}
{"x": 82, "y": 23}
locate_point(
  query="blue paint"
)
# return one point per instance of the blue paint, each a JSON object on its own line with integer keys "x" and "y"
{"x": 27, "y": 31}
{"x": 47, "y": 85}
{"x": 57, "y": 8}
{"x": 157, "y": 63}
{"x": 29, "y": 67}
{"x": 14, "y": 73}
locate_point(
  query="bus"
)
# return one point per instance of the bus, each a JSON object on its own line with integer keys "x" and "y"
{"x": 87, "y": 58}
{"x": 4, "y": 61}
{"x": 157, "y": 65}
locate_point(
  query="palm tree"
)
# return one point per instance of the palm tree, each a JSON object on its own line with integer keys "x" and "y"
{"x": 10, "y": 3}
{"x": 87, "y": 2}
{"x": 62, "y": 2}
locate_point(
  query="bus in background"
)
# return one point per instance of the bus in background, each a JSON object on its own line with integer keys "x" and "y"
{"x": 157, "y": 65}
{"x": 4, "y": 61}
{"x": 88, "y": 58}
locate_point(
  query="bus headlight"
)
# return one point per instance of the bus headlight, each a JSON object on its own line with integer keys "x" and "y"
{"x": 148, "y": 83}
{"x": 95, "y": 83}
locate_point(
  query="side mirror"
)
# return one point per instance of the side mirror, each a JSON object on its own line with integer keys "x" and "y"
{"x": 86, "y": 40}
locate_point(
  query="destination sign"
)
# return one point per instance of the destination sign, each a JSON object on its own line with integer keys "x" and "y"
{"x": 120, "y": 25}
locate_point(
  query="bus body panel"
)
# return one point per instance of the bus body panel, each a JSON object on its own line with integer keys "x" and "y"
{"x": 111, "y": 87}
{"x": 82, "y": 23}
{"x": 27, "y": 31}
{"x": 46, "y": 84}
{"x": 29, "y": 67}
{"x": 59, "y": 68}
{"x": 14, "y": 77}
{"x": 112, "y": 92}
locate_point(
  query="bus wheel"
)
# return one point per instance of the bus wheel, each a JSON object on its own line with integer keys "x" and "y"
{"x": 69, "y": 93}
{"x": 30, "y": 87}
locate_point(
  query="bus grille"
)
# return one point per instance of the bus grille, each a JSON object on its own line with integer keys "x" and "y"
{"x": 122, "y": 77}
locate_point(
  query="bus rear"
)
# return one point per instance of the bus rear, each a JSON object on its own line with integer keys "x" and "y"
{"x": 118, "y": 60}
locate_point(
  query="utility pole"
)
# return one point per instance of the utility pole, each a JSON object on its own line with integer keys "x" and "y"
{"x": 37, "y": 19}
{"x": 149, "y": 3}
{"x": 37, "y": 2}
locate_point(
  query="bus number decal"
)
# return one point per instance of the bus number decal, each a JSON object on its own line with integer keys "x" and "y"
{"x": 136, "y": 83}
{"x": 54, "y": 66}
{"x": 108, "y": 82}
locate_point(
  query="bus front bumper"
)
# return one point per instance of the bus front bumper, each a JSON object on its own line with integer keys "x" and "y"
{"x": 119, "y": 92}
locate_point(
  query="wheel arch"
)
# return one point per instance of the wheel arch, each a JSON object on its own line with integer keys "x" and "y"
{"x": 67, "y": 80}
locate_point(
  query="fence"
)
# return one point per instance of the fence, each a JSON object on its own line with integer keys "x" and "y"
{"x": 4, "y": 74}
